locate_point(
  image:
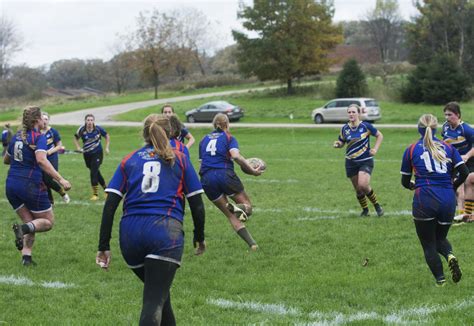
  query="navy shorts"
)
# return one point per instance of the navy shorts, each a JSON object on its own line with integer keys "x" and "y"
{"x": 31, "y": 194}
{"x": 219, "y": 182}
{"x": 353, "y": 168}
{"x": 434, "y": 203}
{"x": 151, "y": 236}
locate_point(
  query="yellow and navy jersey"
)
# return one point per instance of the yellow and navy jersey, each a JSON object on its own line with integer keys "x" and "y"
{"x": 357, "y": 140}
{"x": 460, "y": 137}
{"x": 91, "y": 140}
{"x": 52, "y": 139}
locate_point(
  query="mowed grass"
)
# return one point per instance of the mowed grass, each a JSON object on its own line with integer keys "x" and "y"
{"x": 274, "y": 106}
{"x": 309, "y": 266}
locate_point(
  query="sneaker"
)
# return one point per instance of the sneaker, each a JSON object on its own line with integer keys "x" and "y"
{"x": 239, "y": 213}
{"x": 27, "y": 261}
{"x": 18, "y": 236}
{"x": 454, "y": 268}
{"x": 94, "y": 198}
{"x": 66, "y": 198}
{"x": 459, "y": 218}
{"x": 365, "y": 212}
{"x": 379, "y": 210}
{"x": 441, "y": 283}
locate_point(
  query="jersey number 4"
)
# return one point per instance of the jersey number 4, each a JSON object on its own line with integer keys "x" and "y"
{"x": 151, "y": 176}
{"x": 212, "y": 147}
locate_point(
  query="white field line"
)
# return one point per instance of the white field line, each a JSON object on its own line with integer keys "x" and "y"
{"x": 19, "y": 280}
{"x": 332, "y": 213}
{"x": 402, "y": 316}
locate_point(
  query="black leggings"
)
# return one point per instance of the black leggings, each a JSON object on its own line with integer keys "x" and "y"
{"x": 433, "y": 239}
{"x": 157, "y": 276}
{"x": 50, "y": 182}
{"x": 93, "y": 162}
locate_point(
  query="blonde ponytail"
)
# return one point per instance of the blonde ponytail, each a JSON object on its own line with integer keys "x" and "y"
{"x": 156, "y": 131}
{"x": 430, "y": 122}
{"x": 31, "y": 114}
{"x": 221, "y": 121}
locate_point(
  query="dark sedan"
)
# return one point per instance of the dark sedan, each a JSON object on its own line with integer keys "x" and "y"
{"x": 207, "y": 112}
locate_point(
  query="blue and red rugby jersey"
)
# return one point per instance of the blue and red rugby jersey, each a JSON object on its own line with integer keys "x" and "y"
{"x": 214, "y": 151}
{"x": 460, "y": 137}
{"x": 428, "y": 171}
{"x": 357, "y": 139}
{"x": 153, "y": 187}
{"x": 22, "y": 155}
{"x": 179, "y": 146}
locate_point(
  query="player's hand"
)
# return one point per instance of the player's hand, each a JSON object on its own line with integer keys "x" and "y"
{"x": 465, "y": 158}
{"x": 103, "y": 259}
{"x": 257, "y": 171}
{"x": 337, "y": 144}
{"x": 412, "y": 185}
{"x": 107, "y": 150}
{"x": 200, "y": 247}
{"x": 65, "y": 184}
{"x": 373, "y": 151}
{"x": 79, "y": 150}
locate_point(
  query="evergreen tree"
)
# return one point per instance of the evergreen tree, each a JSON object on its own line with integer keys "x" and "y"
{"x": 351, "y": 81}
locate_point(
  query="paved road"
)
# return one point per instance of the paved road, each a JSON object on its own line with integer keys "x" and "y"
{"x": 104, "y": 115}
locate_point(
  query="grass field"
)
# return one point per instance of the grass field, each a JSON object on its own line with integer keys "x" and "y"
{"x": 276, "y": 107}
{"x": 308, "y": 270}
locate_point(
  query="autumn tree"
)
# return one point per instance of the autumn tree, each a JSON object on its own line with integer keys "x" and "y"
{"x": 383, "y": 25}
{"x": 10, "y": 43}
{"x": 153, "y": 41}
{"x": 443, "y": 27}
{"x": 292, "y": 39}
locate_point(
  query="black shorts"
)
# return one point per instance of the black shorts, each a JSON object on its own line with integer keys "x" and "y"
{"x": 93, "y": 159}
{"x": 353, "y": 168}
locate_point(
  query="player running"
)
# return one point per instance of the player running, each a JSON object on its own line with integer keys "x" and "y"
{"x": 217, "y": 152}
{"x": 25, "y": 189}
{"x": 153, "y": 180}
{"x": 360, "y": 157}
{"x": 433, "y": 162}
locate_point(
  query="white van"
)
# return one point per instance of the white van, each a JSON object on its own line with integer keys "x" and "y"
{"x": 336, "y": 110}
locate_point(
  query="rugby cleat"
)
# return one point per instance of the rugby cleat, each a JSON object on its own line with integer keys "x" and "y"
{"x": 454, "y": 268}
{"x": 379, "y": 210}
{"x": 365, "y": 212}
{"x": 18, "y": 236}
{"x": 27, "y": 261}
{"x": 239, "y": 213}
{"x": 440, "y": 283}
{"x": 94, "y": 198}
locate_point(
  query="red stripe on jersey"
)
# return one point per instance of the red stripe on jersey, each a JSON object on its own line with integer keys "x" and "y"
{"x": 179, "y": 192}
{"x": 412, "y": 148}
{"x": 122, "y": 169}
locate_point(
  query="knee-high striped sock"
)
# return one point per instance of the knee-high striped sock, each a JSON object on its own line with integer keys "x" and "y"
{"x": 372, "y": 197}
{"x": 362, "y": 201}
{"x": 95, "y": 190}
{"x": 468, "y": 206}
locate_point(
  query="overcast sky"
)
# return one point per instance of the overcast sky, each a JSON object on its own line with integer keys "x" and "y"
{"x": 65, "y": 29}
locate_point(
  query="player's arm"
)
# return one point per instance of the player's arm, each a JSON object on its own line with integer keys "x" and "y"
{"x": 240, "y": 160}
{"x": 110, "y": 206}
{"x": 6, "y": 159}
{"x": 190, "y": 139}
{"x": 59, "y": 146}
{"x": 468, "y": 155}
{"x": 48, "y": 168}
{"x": 407, "y": 182}
{"x": 462, "y": 173}
{"x": 107, "y": 143}
{"x": 378, "y": 142}
{"x": 76, "y": 143}
{"x": 199, "y": 219}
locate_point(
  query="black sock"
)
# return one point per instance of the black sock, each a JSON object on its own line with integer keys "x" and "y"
{"x": 245, "y": 235}
{"x": 28, "y": 228}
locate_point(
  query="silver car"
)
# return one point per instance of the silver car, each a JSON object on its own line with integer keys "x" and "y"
{"x": 207, "y": 112}
{"x": 336, "y": 110}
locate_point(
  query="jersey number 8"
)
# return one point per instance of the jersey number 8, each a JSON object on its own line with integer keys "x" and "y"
{"x": 151, "y": 176}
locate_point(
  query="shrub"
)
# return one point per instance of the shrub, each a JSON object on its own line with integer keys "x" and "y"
{"x": 437, "y": 82}
{"x": 351, "y": 81}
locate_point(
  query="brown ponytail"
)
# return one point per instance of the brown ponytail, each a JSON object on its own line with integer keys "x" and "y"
{"x": 31, "y": 114}
{"x": 156, "y": 131}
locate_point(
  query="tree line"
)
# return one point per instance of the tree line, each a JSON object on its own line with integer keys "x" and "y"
{"x": 281, "y": 40}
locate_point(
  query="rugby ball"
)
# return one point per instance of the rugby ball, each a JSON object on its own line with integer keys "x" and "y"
{"x": 257, "y": 163}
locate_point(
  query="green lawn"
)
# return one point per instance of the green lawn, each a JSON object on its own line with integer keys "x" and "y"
{"x": 275, "y": 107}
{"x": 308, "y": 269}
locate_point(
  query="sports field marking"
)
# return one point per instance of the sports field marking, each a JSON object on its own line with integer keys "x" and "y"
{"x": 19, "y": 280}
{"x": 402, "y": 316}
